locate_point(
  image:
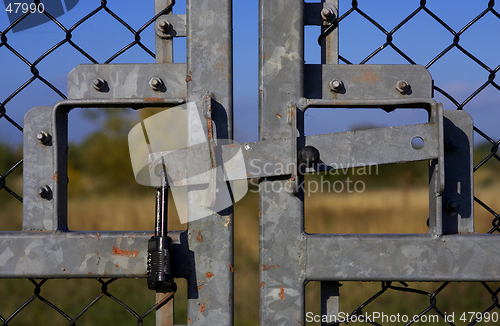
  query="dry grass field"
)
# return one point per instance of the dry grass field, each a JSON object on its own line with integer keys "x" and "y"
{"x": 373, "y": 211}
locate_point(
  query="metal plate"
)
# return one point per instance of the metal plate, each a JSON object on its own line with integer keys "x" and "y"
{"x": 366, "y": 82}
{"x": 127, "y": 81}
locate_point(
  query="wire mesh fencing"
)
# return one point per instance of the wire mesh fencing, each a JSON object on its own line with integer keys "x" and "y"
{"x": 11, "y": 161}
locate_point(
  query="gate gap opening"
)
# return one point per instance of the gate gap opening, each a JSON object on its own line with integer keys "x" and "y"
{"x": 371, "y": 198}
{"x": 103, "y": 194}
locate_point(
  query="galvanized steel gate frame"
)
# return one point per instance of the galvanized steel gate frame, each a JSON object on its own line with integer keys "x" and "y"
{"x": 289, "y": 257}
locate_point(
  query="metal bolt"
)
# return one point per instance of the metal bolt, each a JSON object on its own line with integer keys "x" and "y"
{"x": 43, "y": 137}
{"x": 44, "y": 192}
{"x": 402, "y": 86}
{"x": 99, "y": 84}
{"x": 164, "y": 25}
{"x": 451, "y": 144}
{"x": 308, "y": 156}
{"x": 327, "y": 14}
{"x": 336, "y": 85}
{"x": 451, "y": 205}
{"x": 155, "y": 83}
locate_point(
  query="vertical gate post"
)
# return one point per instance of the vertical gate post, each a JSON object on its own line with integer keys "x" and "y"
{"x": 282, "y": 259}
{"x": 330, "y": 55}
{"x": 164, "y": 54}
{"x": 210, "y": 239}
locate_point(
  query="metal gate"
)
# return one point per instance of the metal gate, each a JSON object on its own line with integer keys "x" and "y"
{"x": 289, "y": 257}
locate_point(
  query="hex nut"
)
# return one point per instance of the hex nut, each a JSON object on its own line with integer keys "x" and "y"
{"x": 156, "y": 84}
{"x": 336, "y": 85}
{"x": 43, "y": 137}
{"x": 402, "y": 86}
{"x": 44, "y": 192}
{"x": 164, "y": 25}
{"x": 99, "y": 84}
{"x": 327, "y": 14}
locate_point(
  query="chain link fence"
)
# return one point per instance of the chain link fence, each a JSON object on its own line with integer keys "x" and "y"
{"x": 134, "y": 37}
{"x": 68, "y": 30}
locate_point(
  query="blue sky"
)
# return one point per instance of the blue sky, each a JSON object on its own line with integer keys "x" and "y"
{"x": 422, "y": 39}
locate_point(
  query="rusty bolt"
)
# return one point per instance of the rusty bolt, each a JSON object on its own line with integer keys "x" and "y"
{"x": 155, "y": 83}
{"x": 43, "y": 137}
{"x": 327, "y": 14}
{"x": 99, "y": 84}
{"x": 402, "y": 86}
{"x": 336, "y": 85}
{"x": 44, "y": 192}
{"x": 164, "y": 25}
{"x": 451, "y": 205}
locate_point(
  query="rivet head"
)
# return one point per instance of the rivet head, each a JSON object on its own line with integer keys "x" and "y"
{"x": 155, "y": 83}
{"x": 99, "y": 84}
{"x": 308, "y": 156}
{"x": 451, "y": 205}
{"x": 402, "y": 86}
{"x": 44, "y": 192}
{"x": 43, "y": 137}
{"x": 336, "y": 85}
{"x": 451, "y": 144}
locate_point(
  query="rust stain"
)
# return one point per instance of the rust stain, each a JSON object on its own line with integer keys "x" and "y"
{"x": 265, "y": 55}
{"x": 189, "y": 76}
{"x": 209, "y": 275}
{"x": 116, "y": 265}
{"x": 279, "y": 116}
{"x": 98, "y": 258}
{"x": 266, "y": 267}
{"x": 199, "y": 286}
{"x": 56, "y": 176}
{"x": 98, "y": 236}
{"x": 223, "y": 48}
{"x": 282, "y": 293}
{"x": 202, "y": 308}
{"x": 230, "y": 297}
{"x": 262, "y": 284}
{"x": 231, "y": 268}
{"x": 293, "y": 179}
{"x": 220, "y": 66}
{"x": 199, "y": 237}
{"x": 368, "y": 76}
{"x": 189, "y": 321}
{"x": 118, "y": 251}
{"x": 154, "y": 100}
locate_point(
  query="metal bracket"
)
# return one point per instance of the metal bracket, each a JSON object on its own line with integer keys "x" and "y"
{"x": 168, "y": 26}
{"x": 367, "y": 82}
{"x": 128, "y": 81}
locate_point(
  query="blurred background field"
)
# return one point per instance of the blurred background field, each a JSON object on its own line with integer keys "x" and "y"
{"x": 395, "y": 200}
